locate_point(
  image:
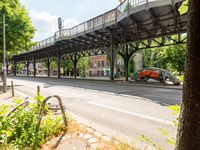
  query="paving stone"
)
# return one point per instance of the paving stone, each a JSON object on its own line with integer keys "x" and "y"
{"x": 149, "y": 147}
{"x": 94, "y": 146}
{"x": 47, "y": 143}
{"x": 106, "y": 138}
{"x": 98, "y": 134}
{"x": 63, "y": 139}
{"x": 90, "y": 130}
{"x": 75, "y": 145}
{"x": 81, "y": 135}
{"x": 92, "y": 140}
{"x": 116, "y": 142}
{"x": 68, "y": 136}
{"x": 82, "y": 126}
{"x": 87, "y": 136}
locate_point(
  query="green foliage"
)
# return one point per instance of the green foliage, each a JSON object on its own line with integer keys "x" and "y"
{"x": 18, "y": 130}
{"x": 173, "y": 57}
{"x": 83, "y": 65}
{"x": 149, "y": 141}
{"x": 175, "y": 111}
{"x": 131, "y": 66}
{"x": 184, "y": 7}
{"x": 67, "y": 65}
{"x": 169, "y": 136}
{"x": 147, "y": 58}
{"x": 181, "y": 78}
{"x": 19, "y": 29}
{"x": 53, "y": 65}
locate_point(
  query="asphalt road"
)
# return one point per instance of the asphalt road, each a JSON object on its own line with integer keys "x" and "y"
{"x": 123, "y": 111}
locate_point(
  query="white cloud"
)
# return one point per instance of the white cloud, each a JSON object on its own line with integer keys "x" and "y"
{"x": 46, "y": 24}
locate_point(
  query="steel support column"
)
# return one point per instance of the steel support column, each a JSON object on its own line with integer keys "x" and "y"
{"x": 75, "y": 65}
{"x": 126, "y": 62}
{"x": 48, "y": 68}
{"x": 34, "y": 67}
{"x": 112, "y": 60}
{"x": 15, "y": 68}
{"x": 27, "y": 68}
{"x": 58, "y": 60}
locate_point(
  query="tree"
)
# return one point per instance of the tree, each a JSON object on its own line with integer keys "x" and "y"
{"x": 67, "y": 66}
{"x": 83, "y": 64}
{"x": 171, "y": 58}
{"x": 131, "y": 66}
{"x": 19, "y": 29}
{"x": 188, "y": 137}
{"x": 147, "y": 57}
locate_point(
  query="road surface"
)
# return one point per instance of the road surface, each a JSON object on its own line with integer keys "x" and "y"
{"x": 123, "y": 111}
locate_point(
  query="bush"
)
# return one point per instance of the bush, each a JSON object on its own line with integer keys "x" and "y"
{"x": 181, "y": 78}
{"x": 18, "y": 130}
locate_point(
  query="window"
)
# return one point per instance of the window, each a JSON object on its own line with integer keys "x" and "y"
{"x": 90, "y": 73}
{"x": 99, "y": 65}
{"x": 98, "y": 73}
{"x": 102, "y": 63}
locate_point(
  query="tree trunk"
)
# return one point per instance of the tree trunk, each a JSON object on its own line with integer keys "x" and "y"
{"x": 188, "y": 137}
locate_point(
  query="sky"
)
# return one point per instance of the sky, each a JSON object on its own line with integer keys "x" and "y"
{"x": 44, "y": 13}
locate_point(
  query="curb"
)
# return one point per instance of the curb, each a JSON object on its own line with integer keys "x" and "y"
{"x": 116, "y": 82}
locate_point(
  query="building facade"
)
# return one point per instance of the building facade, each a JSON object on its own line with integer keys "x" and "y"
{"x": 99, "y": 66}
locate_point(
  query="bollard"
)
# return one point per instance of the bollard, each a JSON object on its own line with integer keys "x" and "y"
{"x": 13, "y": 92}
{"x": 38, "y": 90}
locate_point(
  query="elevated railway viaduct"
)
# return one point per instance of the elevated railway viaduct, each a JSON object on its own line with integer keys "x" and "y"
{"x": 130, "y": 27}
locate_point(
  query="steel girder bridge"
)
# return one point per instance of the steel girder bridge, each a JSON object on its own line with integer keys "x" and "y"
{"x": 132, "y": 26}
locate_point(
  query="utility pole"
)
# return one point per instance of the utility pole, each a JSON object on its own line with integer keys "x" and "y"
{"x": 4, "y": 55}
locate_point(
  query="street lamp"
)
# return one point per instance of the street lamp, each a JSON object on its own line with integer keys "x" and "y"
{"x": 4, "y": 56}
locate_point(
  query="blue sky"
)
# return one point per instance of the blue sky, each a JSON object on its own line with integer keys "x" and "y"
{"x": 44, "y": 13}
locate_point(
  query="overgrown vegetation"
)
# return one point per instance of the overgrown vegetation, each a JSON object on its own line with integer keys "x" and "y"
{"x": 17, "y": 131}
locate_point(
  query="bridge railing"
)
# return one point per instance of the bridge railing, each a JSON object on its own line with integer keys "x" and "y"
{"x": 45, "y": 43}
{"x": 136, "y": 2}
{"x": 90, "y": 24}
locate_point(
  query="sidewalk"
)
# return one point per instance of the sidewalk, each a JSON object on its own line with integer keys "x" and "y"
{"x": 82, "y": 137}
{"x": 5, "y": 98}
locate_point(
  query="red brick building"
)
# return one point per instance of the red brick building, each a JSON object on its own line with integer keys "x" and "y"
{"x": 99, "y": 66}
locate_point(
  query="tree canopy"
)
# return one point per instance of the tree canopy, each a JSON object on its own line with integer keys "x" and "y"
{"x": 170, "y": 57}
{"x": 19, "y": 28}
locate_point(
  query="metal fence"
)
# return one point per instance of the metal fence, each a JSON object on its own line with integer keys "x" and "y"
{"x": 91, "y": 24}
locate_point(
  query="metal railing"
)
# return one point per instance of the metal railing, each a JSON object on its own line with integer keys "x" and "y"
{"x": 90, "y": 24}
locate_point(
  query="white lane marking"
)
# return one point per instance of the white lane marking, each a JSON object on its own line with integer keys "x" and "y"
{"x": 133, "y": 113}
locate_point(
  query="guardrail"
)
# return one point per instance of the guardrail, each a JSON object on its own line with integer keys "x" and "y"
{"x": 101, "y": 20}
